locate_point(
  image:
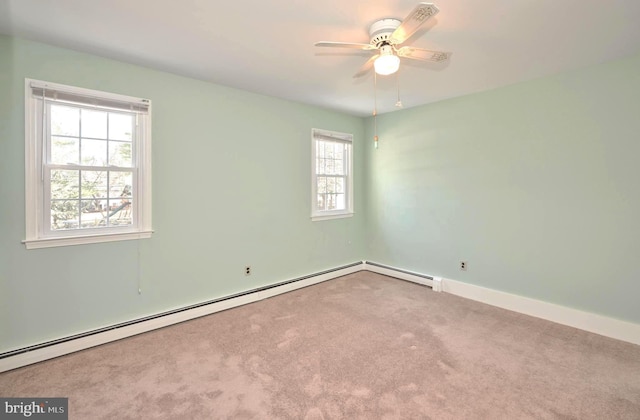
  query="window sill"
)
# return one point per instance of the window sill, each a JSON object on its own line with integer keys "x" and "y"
{"x": 85, "y": 239}
{"x": 319, "y": 217}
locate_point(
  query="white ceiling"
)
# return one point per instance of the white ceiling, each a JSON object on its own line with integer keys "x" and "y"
{"x": 267, "y": 46}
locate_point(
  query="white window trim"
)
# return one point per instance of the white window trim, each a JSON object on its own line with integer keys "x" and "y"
{"x": 334, "y": 214}
{"x": 34, "y": 199}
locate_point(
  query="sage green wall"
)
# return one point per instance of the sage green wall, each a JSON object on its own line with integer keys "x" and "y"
{"x": 231, "y": 187}
{"x": 536, "y": 185}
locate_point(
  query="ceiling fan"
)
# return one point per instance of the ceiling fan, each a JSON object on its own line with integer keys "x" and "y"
{"x": 387, "y": 35}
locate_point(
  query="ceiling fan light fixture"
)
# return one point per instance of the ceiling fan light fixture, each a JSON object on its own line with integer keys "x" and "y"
{"x": 387, "y": 36}
{"x": 387, "y": 63}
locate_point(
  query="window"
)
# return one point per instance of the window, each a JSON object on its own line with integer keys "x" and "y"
{"x": 88, "y": 167}
{"x": 332, "y": 176}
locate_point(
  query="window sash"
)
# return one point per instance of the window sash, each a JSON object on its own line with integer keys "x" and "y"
{"x": 48, "y": 167}
{"x": 322, "y": 160}
{"x": 327, "y": 196}
{"x": 48, "y": 136}
{"x": 111, "y": 202}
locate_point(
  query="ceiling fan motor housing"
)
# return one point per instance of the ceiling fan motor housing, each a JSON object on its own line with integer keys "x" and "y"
{"x": 381, "y": 30}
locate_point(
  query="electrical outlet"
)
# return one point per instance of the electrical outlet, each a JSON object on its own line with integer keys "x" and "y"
{"x": 463, "y": 266}
{"x": 247, "y": 270}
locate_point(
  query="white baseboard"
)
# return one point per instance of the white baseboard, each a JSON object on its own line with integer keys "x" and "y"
{"x": 609, "y": 327}
{"x": 82, "y": 343}
{"x": 398, "y": 273}
{"x": 587, "y": 321}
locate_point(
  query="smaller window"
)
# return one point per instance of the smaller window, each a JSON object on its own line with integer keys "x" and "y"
{"x": 331, "y": 175}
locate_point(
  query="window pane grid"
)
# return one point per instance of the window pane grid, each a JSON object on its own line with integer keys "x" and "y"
{"x": 330, "y": 158}
{"x": 96, "y": 138}
{"x": 88, "y": 149}
{"x": 83, "y": 199}
{"x": 331, "y": 191}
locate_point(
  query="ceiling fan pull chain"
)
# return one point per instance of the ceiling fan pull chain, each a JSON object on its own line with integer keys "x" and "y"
{"x": 399, "y": 102}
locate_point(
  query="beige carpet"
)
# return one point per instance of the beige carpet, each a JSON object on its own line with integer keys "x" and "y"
{"x": 362, "y": 346}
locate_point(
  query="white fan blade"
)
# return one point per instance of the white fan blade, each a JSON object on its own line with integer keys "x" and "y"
{"x": 366, "y": 67}
{"x": 345, "y": 45}
{"x": 422, "y": 54}
{"x": 410, "y": 25}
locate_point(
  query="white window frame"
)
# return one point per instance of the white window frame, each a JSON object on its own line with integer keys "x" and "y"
{"x": 38, "y": 94}
{"x": 345, "y": 138}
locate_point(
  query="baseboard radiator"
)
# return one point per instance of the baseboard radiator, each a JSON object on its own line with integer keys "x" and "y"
{"x": 69, "y": 344}
{"x": 614, "y": 328}
{"x": 434, "y": 282}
